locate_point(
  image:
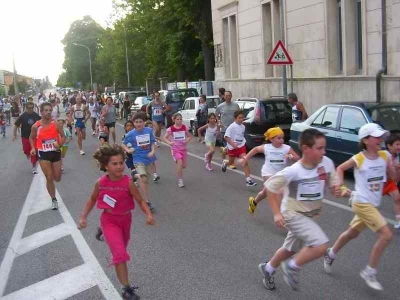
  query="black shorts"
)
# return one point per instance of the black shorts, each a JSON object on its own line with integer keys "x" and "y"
{"x": 105, "y": 138}
{"x": 51, "y": 156}
{"x": 110, "y": 125}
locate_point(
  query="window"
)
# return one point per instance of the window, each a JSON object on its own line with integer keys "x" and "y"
{"x": 339, "y": 35}
{"x": 230, "y": 47}
{"x": 352, "y": 119}
{"x": 359, "y": 37}
{"x": 186, "y": 105}
{"x": 247, "y": 108}
{"x": 271, "y": 33}
{"x": 327, "y": 118}
{"x": 192, "y": 104}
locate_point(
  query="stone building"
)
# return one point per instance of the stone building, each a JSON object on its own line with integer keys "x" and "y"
{"x": 336, "y": 46}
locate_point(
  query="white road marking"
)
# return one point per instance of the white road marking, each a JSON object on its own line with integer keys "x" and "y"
{"x": 68, "y": 283}
{"x": 329, "y": 202}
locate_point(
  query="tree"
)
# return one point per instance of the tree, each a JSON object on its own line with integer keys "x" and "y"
{"x": 22, "y": 87}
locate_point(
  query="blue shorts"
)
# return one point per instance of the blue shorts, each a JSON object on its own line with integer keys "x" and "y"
{"x": 79, "y": 124}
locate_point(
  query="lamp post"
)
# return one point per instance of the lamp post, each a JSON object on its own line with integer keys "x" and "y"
{"x": 90, "y": 64}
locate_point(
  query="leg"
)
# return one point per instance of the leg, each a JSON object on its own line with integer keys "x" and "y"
{"x": 344, "y": 238}
{"x": 396, "y": 199}
{"x": 179, "y": 168}
{"x": 56, "y": 169}
{"x": 48, "y": 173}
{"x": 260, "y": 196}
{"x": 281, "y": 255}
{"x": 122, "y": 273}
{"x": 144, "y": 187}
{"x": 308, "y": 254}
{"x": 112, "y": 130}
{"x": 79, "y": 137}
{"x": 385, "y": 235}
{"x": 157, "y": 130}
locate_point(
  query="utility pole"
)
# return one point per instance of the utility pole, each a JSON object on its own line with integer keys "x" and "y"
{"x": 15, "y": 78}
{"x": 90, "y": 64}
{"x": 282, "y": 23}
{"x": 127, "y": 61}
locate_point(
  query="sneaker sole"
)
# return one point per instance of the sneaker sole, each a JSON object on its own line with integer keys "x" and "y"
{"x": 363, "y": 276}
{"x": 286, "y": 278}
{"x": 264, "y": 279}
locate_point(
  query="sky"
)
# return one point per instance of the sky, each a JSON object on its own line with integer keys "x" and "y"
{"x": 33, "y": 30}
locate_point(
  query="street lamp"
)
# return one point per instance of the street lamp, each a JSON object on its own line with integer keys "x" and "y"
{"x": 90, "y": 64}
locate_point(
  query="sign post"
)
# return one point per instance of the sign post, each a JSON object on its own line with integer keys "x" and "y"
{"x": 280, "y": 56}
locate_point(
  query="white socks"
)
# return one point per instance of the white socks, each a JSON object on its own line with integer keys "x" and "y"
{"x": 293, "y": 265}
{"x": 331, "y": 253}
{"x": 370, "y": 271}
{"x": 270, "y": 269}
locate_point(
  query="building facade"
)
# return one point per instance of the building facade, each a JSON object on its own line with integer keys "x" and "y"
{"x": 336, "y": 46}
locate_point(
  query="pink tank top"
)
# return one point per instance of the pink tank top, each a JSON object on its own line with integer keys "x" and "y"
{"x": 115, "y": 195}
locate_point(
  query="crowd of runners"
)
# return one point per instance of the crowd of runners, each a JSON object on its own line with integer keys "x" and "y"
{"x": 293, "y": 185}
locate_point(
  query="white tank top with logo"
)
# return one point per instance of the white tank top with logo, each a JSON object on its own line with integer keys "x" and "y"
{"x": 275, "y": 159}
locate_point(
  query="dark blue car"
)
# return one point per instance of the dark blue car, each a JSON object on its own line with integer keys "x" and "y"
{"x": 340, "y": 123}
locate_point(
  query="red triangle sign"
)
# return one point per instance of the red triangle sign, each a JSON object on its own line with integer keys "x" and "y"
{"x": 280, "y": 56}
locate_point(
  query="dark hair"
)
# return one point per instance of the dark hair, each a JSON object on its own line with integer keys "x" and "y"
{"x": 394, "y": 137}
{"x": 210, "y": 115}
{"x": 139, "y": 116}
{"x": 175, "y": 115}
{"x": 128, "y": 122}
{"x": 221, "y": 91}
{"x": 105, "y": 152}
{"x": 308, "y": 137}
{"x": 361, "y": 144}
{"x": 237, "y": 113}
{"x": 203, "y": 96}
{"x": 44, "y": 104}
{"x": 292, "y": 96}
{"x": 228, "y": 92}
{"x": 30, "y": 104}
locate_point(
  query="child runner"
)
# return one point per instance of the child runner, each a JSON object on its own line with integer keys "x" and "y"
{"x": 114, "y": 194}
{"x": 371, "y": 167}
{"x": 210, "y": 138}
{"x": 103, "y": 132}
{"x": 391, "y": 187}
{"x": 178, "y": 136}
{"x": 3, "y": 124}
{"x": 276, "y": 159}
{"x": 156, "y": 177}
{"x": 236, "y": 143}
{"x": 68, "y": 137}
{"x": 301, "y": 187}
{"x": 141, "y": 141}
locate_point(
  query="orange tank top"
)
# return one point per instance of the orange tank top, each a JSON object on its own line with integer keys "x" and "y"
{"x": 46, "y": 136}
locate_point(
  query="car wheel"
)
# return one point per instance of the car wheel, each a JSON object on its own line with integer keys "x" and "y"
{"x": 193, "y": 128}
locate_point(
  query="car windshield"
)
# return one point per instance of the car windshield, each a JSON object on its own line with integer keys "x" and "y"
{"x": 276, "y": 110}
{"x": 386, "y": 116}
{"x": 213, "y": 102}
{"x": 180, "y": 96}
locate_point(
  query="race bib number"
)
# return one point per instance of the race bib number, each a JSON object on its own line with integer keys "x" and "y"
{"x": 276, "y": 158}
{"x": 310, "y": 191}
{"x": 143, "y": 140}
{"x": 78, "y": 114}
{"x": 48, "y": 145}
{"x": 109, "y": 200}
{"x": 375, "y": 178}
{"x": 157, "y": 112}
{"x": 179, "y": 135}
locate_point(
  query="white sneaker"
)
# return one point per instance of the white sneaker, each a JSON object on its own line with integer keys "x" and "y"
{"x": 82, "y": 152}
{"x": 156, "y": 177}
{"x": 180, "y": 183}
{"x": 397, "y": 224}
{"x": 93, "y": 133}
{"x": 34, "y": 170}
{"x": 371, "y": 281}
{"x": 157, "y": 144}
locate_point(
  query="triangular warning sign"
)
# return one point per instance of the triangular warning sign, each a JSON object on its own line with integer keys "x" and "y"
{"x": 280, "y": 56}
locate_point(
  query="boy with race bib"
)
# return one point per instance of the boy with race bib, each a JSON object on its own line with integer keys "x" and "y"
{"x": 371, "y": 167}
{"x": 81, "y": 114}
{"x": 302, "y": 187}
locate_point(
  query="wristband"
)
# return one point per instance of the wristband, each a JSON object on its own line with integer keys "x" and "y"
{"x": 343, "y": 187}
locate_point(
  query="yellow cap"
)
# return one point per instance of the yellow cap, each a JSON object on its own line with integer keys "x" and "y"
{"x": 273, "y": 132}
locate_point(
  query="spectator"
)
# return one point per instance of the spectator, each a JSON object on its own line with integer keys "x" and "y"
{"x": 298, "y": 111}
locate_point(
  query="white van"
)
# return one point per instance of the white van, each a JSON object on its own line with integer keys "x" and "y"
{"x": 190, "y": 107}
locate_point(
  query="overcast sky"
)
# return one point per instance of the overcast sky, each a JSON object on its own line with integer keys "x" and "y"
{"x": 33, "y": 30}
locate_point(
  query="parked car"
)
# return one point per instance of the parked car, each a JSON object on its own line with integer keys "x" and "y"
{"x": 138, "y": 103}
{"x": 190, "y": 107}
{"x": 263, "y": 114}
{"x": 340, "y": 123}
{"x": 174, "y": 99}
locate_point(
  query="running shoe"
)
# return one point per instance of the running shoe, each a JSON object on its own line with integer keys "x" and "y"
{"x": 82, "y": 152}
{"x": 156, "y": 177}
{"x": 397, "y": 224}
{"x": 99, "y": 235}
{"x": 289, "y": 275}
{"x": 371, "y": 281}
{"x": 128, "y": 293}
{"x": 151, "y": 207}
{"x": 232, "y": 167}
{"x": 268, "y": 281}
{"x": 250, "y": 182}
{"x": 157, "y": 144}
{"x": 252, "y": 205}
{"x": 54, "y": 205}
{"x": 328, "y": 261}
{"x": 223, "y": 167}
{"x": 62, "y": 169}
{"x": 93, "y": 133}
{"x": 180, "y": 183}
{"x": 34, "y": 170}
{"x": 208, "y": 167}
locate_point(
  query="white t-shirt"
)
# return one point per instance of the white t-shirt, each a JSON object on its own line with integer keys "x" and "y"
{"x": 370, "y": 176}
{"x": 235, "y": 132}
{"x": 303, "y": 189}
{"x": 275, "y": 159}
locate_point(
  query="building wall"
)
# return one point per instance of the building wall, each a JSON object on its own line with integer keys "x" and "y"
{"x": 322, "y": 69}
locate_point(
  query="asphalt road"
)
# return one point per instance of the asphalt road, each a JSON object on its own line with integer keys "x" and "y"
{"x": 205, "y": 245}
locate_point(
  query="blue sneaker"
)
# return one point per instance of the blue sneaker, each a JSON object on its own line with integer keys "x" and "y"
{"x": 268, "y": 280}
{"x": 289, "y": 275}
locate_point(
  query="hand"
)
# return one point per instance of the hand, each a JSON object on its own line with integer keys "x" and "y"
{"x": 235, "y": 146}
{"x": 33, "y": 152}
{"x": 82, "y": 224}
{"x": 150, "y": 155}
{"x": 131, "y": 150}
{"x": 150, "y": 220}
{"x": 57, "y": 146}
{"x": 171, "y": 143}
{"x": 279, "y": 220}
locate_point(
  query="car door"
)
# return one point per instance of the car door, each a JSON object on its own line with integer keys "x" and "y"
{"x": 351, "y": 120}
{"x": 184, "y": 112}
{"x": 327, "y": 122}
{"x": 192, "y": 109}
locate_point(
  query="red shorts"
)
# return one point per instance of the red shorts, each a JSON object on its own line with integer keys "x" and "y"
{"x": 389, "y": 187}
{"x": 26, "y": 147}
{"x": 237, "y": 152}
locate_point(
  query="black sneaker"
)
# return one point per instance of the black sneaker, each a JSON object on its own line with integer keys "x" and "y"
{"x": 151, "y": 207}
{"x": 224, "y": 166}
{"x": 328, "y": 261}
{"x": 54, "y": 205}
{"x": 128, "y": 293}
{"x": 290, "y": 275}
{"x": 99, "y": 235}
{"x": 250, "y": 182}
{"x": 268, "y": 281}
